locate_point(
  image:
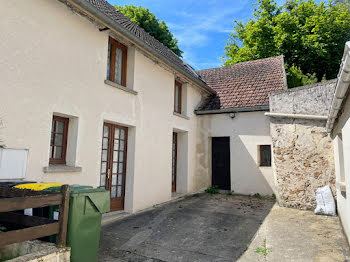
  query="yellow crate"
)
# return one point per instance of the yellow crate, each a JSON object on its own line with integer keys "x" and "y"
{"x": 38, "y": 186}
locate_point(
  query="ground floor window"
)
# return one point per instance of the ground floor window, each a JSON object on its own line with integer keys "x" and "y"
{"x": 58, "y": 143}
{"x": 265, "y": 155}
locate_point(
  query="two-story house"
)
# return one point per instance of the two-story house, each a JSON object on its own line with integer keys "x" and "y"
{"x": 88, "y": 97}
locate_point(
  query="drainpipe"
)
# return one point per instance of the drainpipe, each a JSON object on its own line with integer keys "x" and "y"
{"x": 341, "y": 88}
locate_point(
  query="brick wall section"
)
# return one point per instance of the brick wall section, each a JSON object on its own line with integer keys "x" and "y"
{"x": 302, "y": 149}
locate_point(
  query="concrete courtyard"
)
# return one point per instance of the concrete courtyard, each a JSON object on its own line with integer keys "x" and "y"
{"x": 223, "y": 227}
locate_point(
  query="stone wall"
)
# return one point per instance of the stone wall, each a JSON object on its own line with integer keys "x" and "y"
{"x": 34, "y": 251}
{"x": 311, "y": 99}
{"x": 302, "y": 149}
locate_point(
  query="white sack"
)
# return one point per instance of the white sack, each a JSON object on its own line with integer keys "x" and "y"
{"x": 325, "y": 202}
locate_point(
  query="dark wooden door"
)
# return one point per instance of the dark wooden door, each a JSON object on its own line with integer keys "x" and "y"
{"x": 174, "y": 163}
{"x": 113, "y": 163}
{"x": 221, "y": 174}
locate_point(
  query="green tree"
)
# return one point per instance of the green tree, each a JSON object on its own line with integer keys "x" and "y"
{"x": 295, "y": 77}
{"x": 148, "y": 21}
{"x": 310, "y": 35}
{"x": 347, "y": 2}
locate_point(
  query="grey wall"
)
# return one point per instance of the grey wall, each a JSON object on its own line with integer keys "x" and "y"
{"x": 311, "y": 100}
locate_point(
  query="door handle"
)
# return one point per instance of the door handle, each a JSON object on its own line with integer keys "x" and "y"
{"x": 109, "y": 173}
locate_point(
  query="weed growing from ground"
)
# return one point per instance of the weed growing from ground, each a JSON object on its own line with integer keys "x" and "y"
{"x": 212, "y": 190}
{"x": 257, "y": 195}
{"x": 263, "y": 250}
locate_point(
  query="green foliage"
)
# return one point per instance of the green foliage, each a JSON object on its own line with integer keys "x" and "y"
{"x": 148, "y": 21}
{"x": 346, "y": 2}
{"x": 212, "y": 190}
{"x": 295, "y": 77}
{"x": 311, "y": 36}
{"x": 257, "y": 195}
{"x": 263, "y": 250}
{"x": 273, "y": 196}
{"x": 229, "y": 193}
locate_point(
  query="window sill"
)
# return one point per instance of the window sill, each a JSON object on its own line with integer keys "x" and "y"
{"x": 181, "y": 115}
{"x": 61, "y": 169}
{"x": 341, "y": 186}
{"x": 110, "y": 83}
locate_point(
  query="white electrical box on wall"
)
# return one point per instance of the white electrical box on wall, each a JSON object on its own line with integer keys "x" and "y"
{"x": 13, "y": 163}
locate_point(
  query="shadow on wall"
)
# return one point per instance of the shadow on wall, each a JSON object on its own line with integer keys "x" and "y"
{"x": 247, "y": 177}
{"x": 202, "y": 227}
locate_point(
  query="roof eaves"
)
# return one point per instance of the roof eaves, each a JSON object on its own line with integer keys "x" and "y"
{"x": 233, "y": 110}
{"x": 110, "y": 22}
{"x": 341, "y": 89}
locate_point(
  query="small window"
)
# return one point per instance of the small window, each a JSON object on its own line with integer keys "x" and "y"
{"x": 58, "y": 144}
{"x": 178, "y": 97}
{"x": 265, "y": 155}
{"x": 117, "y": 59}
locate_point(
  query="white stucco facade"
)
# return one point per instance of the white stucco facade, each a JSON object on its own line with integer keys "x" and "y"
{"x": 247, "y": 131}
{"x": 341, "y": 140}
{"x": 53, "y": 62}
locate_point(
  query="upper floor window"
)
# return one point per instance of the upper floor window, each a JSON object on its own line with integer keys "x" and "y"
{"x": 58, "y": 144}
{"x": 265, "y": 155}
{"x": 117, "y": 59}
{"x": 178, "y": 97}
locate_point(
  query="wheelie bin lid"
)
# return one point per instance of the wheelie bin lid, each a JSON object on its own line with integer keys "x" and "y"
{"x": 14, "y": 183}
{"x": 73, "y": 188}
{"x": 99, "y": 196}
{"x": 38, "y": 186}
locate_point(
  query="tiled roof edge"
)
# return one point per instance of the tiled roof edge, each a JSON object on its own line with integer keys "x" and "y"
{"x": 113, "y": 24}
{"x": 242, "y": 63}
{"x": 233, "y": 110}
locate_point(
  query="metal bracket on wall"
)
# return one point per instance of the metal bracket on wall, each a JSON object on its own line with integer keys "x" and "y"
{"x": 103, "y": 29}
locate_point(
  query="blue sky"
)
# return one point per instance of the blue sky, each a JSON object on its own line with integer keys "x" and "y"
{"x": 201, "y": 26}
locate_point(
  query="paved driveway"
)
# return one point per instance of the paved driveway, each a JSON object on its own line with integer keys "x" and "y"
{"x": 199, "y": 228}
{"x": 222, "y": 228}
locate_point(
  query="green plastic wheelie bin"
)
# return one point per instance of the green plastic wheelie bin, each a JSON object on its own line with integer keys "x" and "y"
{"x": 54, "y": 210}
{"x": 86, "y": 206}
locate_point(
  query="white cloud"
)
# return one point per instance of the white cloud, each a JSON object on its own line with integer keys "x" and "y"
{"x": 198, "y": 24}
{"x": 194, "y": 28}
{"x": 197, "y": 62}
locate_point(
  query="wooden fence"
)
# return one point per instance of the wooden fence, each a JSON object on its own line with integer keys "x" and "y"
{"x": 13, "y": 199}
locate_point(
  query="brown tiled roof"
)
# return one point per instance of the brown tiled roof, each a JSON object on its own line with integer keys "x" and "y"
{"x": 157, "y": 47}
{"x": 246, "y": 84}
